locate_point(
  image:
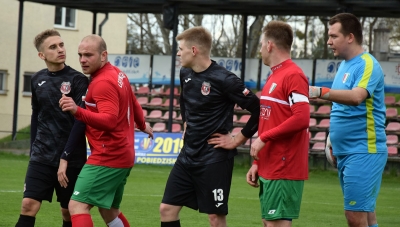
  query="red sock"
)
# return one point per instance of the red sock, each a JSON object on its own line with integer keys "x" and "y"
{"x": 81, "y": 220}
{"x": 123, "y": 219}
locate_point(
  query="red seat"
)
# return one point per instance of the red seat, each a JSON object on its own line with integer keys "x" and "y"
{"x": 323, "y": 110}
{"x": 319, "y": 136}
{"x": 143, "y": 90}
{"x": 166, "y": 102}
{"x": 155, "y": 114}
{"x": 324, "y": 123}
{"x": 176, "y": 127}
{"x": 179, "y": 118}
{"x": 391, "y": 112}
{"x": 236, "y": 130}
{"x": 244, "y": 118}
{"x": 156, "y": 101}
{"x": 392, "y": 139}
{"x": 312, "y": 109}
{"x": 390, "y": 100}
{"x": 393, "y": 127}
{"x": 143, "y": 100}
{"x": 235, "y": 118}
{"x": 313, "y": 122}
{"x": 258, "y": 94}
{"x": 144, "y": 112}
{"x": 159, "y": 127}
{"x": 318, "y": 146}
{"x": 168, "y": 91}
{"x": 166, "y": 115}
{"x": 392, "y": 151}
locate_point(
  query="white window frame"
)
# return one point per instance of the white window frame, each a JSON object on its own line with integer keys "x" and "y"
{"x": 3, "y": 84}
{"x": 63, "y": 18}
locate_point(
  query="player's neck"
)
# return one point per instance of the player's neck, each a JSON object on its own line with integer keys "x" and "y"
{"x": 278, "y": 59}
{"x": 55, "y": 67}
{"x": 353, "y": 52}
{"x": 201, "y": 65}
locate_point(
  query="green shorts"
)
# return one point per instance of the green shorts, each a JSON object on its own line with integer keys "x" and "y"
{"x": 100, "y": 186}
{"x": 280, "y": 199}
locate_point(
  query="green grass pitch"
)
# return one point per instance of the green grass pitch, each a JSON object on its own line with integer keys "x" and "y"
{"x": 322, "y": 204}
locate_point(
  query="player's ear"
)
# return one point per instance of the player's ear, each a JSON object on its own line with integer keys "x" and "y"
{"x": 194, "y": 50}
{"x": 41, "y": 55}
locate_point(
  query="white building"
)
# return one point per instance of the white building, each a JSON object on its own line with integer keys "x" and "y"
{"x": 72, "y": 24}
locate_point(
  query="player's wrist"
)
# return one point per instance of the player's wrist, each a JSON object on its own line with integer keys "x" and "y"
{"x": 324, "y": 93}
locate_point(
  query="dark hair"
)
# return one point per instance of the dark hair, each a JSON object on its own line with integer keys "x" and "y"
{"x": 197, "y": 35}
{"x": 39, "y": 39}
{"x": 280, "y": 32}
{"x": 350, "y": 24}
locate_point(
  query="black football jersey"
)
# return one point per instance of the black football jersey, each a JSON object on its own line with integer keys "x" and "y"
{"x": 54, "y": 125}
{"x": 207, "y": 105}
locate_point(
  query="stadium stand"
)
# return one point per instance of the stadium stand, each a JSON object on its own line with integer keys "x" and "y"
{"x": 176, "y": 127}
{"x": 323, "y": 111}
{"x": 392, "y": 151}
{"x": 167, "y": 102}
{"x": 391, "y": 113}
{"x": 318, "y": 147}
{"x": 155, "y": 101}
{"x": 312, "y": 109}
{"x": 155, "y": 114}
{"x": 143, "y": 91}
{"x": 313, "y": 122}
{"x": 323, "y": 124}
{"x": 143, "y": 100}
{"x": 390, "y": 100}
{"x": 159, "y": 127}
{"x": 166, "y": 115}
{"x": 236, "y": 130}
{"x": 168, "y": 90}
{"x": 392, "y": 140}
{"x": 318, "y": 137}
{"x": 393, "y": 128}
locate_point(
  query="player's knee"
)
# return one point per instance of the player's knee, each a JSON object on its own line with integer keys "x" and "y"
{"x": 65, "y": 214}
{"x": 30, "y": 207}
{"x": 168, "y": 212}
{"x": 217, "y": 220}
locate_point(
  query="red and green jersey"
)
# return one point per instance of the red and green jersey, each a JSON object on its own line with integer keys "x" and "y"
{"x": 110, "y": 116}
{"x": 283, "y": 125}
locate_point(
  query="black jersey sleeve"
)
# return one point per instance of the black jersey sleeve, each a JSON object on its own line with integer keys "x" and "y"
{"x": 246, "y": 99}
{"x": 183, "y": 72}
{"x": 75, "y": 137}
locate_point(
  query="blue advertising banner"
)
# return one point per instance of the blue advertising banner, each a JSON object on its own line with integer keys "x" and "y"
{"x": 162, "y": 150}
{"x": 136, "y": 67}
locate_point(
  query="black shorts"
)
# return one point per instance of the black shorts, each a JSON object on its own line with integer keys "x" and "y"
{"x": 41, "y": 180}
{"x": 204, "y": 188}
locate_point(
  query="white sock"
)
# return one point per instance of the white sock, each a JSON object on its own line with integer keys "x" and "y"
{"x": 116, "y": 223}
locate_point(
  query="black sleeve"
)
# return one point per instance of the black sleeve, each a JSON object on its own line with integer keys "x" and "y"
{"x": 77, "y": 133}
{"x": 181, "y": 102}
{"x": 246, "y": 99}
{"x": 34, "y": 123}
{"x": 251, "y": 126}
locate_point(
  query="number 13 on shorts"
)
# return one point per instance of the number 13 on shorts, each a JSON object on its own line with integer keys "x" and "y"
{"x": 218, "y": 194}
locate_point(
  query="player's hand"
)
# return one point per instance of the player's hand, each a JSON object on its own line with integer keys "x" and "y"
{"x": 62, "y": 173}
{"x": 226, "y": 141}
{"x": 148, "y": 130}
{"x": 318, "y": 92}
{"x": 256, "y": 147}
{"x": 252, "y": 176}
{"x": 67, "y": 104}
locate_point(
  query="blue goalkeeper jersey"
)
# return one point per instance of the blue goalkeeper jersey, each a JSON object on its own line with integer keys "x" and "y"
{"x": 359, "y": 129}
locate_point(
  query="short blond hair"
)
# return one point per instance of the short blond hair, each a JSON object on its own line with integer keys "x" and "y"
{"x": 198, "y": 36}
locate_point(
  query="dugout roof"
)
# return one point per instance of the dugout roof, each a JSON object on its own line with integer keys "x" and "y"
{"x": 361, "y": 8}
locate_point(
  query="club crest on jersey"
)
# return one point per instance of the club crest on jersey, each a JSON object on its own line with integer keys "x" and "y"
{"x": 272, "y": 88}
{"x": 205, "y": 88}
{"x": 65, "y": 88}
{"x": 345, "y": 76}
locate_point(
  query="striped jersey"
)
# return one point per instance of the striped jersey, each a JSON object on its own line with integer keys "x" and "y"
{"x": 283, "y": 125}
{"x": 359, "y": 129}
